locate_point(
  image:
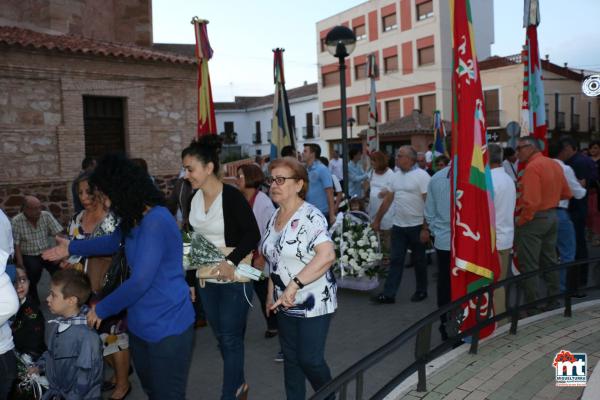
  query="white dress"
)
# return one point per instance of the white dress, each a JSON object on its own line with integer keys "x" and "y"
{"x": 288, "y": 251}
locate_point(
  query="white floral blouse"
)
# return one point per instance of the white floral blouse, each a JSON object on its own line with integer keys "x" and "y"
{"x": 288, "y": 251}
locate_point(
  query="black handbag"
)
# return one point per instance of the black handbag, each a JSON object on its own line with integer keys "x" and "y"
{"x": 117, "y": 273}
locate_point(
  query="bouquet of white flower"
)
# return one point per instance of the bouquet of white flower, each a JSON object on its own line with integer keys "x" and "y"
{"x": 357, "y": 248}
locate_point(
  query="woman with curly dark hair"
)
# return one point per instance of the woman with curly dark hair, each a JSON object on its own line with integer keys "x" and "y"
{"x": 156, "y": 296}
{"x": 223, "y": 216}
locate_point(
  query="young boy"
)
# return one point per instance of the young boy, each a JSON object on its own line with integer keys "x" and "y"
{"x": 73, "y": 361}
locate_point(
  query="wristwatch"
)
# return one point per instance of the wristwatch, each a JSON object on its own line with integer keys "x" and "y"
{"x": 297, "y": 282}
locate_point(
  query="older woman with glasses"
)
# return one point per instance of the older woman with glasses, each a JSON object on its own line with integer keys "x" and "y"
{"x": 302, "y": 288}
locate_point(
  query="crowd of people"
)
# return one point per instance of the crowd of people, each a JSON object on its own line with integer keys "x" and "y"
{"x": 277, "y": 218}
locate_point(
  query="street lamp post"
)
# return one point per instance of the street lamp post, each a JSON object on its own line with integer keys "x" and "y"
{"x": 340, "y": 43}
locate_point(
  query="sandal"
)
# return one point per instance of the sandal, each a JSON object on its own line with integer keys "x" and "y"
{"x": 242, "y": 392}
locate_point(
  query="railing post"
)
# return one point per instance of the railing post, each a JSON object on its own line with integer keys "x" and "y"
{"x": 568, "y": 303}
{"x": 344, "y": 392}
{"x": 422, "y": 346}
{"x": 360, "y": 385}
{"x": 515, "y": 312}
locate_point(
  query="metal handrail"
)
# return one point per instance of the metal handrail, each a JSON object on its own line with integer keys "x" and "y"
{"x": 421, "y": 330}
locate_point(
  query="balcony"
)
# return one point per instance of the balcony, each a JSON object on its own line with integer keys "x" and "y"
{"x": 574, "y": 122}
{"x": 256, "y": 139}
{"x": 493, "y": 118}
{"x": 308, "y": 132}
{"x": 560, "y": 121}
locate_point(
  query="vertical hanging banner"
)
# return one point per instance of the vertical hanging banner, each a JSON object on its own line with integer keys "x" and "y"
{"x": 533, "y": 109}
{"x": 474, "y": 258}
{"x": 207, "y": 124}
{"x": 439, "y": 138}
{"x": 282, "y": 131}
{"x": 372, "y": 136}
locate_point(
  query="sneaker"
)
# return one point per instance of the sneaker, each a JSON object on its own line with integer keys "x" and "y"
{"x": 279, "y": 357}
{"x": 383, "y": 299}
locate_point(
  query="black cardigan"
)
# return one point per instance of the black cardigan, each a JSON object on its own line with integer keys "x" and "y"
{"x": 241, "y": 229}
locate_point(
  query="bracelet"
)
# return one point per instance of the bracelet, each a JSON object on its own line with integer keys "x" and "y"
{"x": 230, "y": 263}
{"x": 297, "y": 282}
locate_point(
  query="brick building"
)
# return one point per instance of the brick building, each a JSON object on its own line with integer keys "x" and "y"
{"x": 82, "y": 78}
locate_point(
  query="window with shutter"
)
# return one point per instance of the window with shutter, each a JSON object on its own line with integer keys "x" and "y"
{"x": 362, "y": 114}
{"x": 426, "y": 55}
{"x": 331, "y": 78}
{"x": 424, "y": 10}
{"x": 391, "y": 64}
{"x": 427, "y": 104}
{"x": 360, "y": 71}
{"x": 360, "y": 32}
{"x": 332, "y": 118}
{"x": 389, "y": 22}
{"x": 392, "y": 110}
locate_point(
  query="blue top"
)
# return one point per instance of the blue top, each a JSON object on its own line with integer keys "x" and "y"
{"x": 437, "y": 208}
{"x": 356, "y": 176}
{"x": 319, "y": 179}
{"x": 156, "y": 295}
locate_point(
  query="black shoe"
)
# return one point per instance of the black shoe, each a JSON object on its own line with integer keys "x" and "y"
{"x": 579, "y": 295}
{"x": 270, "y": 334}
{"x": 383, "y": 299}
{"x": 418, "y": 296}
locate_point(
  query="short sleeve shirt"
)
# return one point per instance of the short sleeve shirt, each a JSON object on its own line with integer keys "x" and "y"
{"x": 33, "y": 240}
{"x": 288, "y": 251}
{"x": 409, "y": 188}
{"x": 319, "y": 179}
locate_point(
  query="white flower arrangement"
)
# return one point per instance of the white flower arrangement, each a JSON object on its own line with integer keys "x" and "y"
{"x": 356, "y": 247}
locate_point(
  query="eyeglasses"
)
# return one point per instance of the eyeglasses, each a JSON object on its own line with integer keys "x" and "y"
{"x": 522, "y": 146}
{"x": 279, "y": 180}
{"x": 21, "y": 281}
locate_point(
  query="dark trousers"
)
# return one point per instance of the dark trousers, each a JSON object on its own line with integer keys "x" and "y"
{"x": 226, "y": 309}
{"x": 34, "y": 266}
{"x": 303, "y": 346}
{"x": 404, "y": 238}
{"x": 260, "y": 288}
{"x": 8, "y": 373}
{"x": 443, "y": 283}
{"x": 578, "y": 276}
{"x": 163, "y": 367}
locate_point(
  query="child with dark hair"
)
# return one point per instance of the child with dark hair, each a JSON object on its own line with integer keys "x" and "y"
{"x": 28, "y": 325}
{"x": 73, "y": 362}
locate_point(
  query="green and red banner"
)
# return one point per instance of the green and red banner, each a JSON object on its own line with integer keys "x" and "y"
{"x": 207, "y": 124}
{"x": 474, "y": 258}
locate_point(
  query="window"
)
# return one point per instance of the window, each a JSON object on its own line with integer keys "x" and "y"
{"x": 426, "y": 55}
{"x": 362, "y": 114}
{"x": 257, "y": 138}
{"x": 229, "y": 127}
{"x": 390, "y": 64}
{"x": 424, "y": 10}
{"x": 332, "y": 118}
{"x": 360, "y": 71}
{"x": 331, "y": 78}
{"x": 392, "y": 110}
{"x": 309, "y": 125}
{"x": 103, "y": 125}
{"x": 389, "y": 22}
{"x": 360, "y": 32}
{"x": 492, "y": 107}
{"x": 323, "y": 45}
{"x": 427, "y": 104}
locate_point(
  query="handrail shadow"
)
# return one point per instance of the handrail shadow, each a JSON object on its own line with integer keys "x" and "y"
{"x": 421, "y": 330}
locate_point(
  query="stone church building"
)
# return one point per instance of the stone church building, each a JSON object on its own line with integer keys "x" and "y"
{"x": 83, "y": 77}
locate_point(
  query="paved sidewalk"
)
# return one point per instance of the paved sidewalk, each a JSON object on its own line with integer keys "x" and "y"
{"x": 514, "y": 367}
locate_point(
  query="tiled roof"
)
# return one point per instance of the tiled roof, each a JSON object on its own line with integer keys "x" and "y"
{"x": 13, "y": 36}
{"x": 498, "y": 62}
{"x": 409, "y": 125}
{"x": 243, "y": 103}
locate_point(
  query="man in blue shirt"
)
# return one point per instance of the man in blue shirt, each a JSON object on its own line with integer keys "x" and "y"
{"x": 437, "y": 217}
{"x": 356, "y": 175}
{"x": 320, "y": 183}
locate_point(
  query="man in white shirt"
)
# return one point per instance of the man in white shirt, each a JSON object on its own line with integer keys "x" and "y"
{"x": 408, "y": 191}
{"x": 505, "y": 197}
{"x": 6, "y": 237}
{"x": 336, "y": 166}
{"x": 566, "y": 243}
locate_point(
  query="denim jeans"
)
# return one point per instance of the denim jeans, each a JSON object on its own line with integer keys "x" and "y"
{"x": 566, "y": 243}
{"x": 163, "y": 366}
{"x": 303, "y": 346}
{"x": 8, "y": 373}
{"x": 404, "y": 238}
{"x": 226, "y": 309}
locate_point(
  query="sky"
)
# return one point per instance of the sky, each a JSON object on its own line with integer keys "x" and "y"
{"x": 242, "y": 34}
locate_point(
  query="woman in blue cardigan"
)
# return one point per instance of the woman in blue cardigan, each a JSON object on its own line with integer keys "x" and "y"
{"x": 156, "y": 295}
{"x": 222, "y": 214}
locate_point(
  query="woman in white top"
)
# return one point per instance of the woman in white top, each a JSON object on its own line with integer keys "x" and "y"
{"x": 302, "y": 288}
{"x": 249, "y": 179}
{"x": 381, "y": 179}
{"x": 222, "y": 215}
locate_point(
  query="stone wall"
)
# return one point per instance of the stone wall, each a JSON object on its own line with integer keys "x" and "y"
{"x": 56, "y": 196}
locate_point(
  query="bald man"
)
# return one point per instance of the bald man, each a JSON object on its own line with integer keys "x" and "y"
{"x": 33, "y": 232}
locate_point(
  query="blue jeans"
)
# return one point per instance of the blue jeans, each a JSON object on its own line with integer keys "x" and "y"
{"x": 226, "y": 309}
{"x": 303, "y": 346}
{"x": 404, "y": 238}
{"x": 163, "y": 366}
{"x": 566, "y": 243}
